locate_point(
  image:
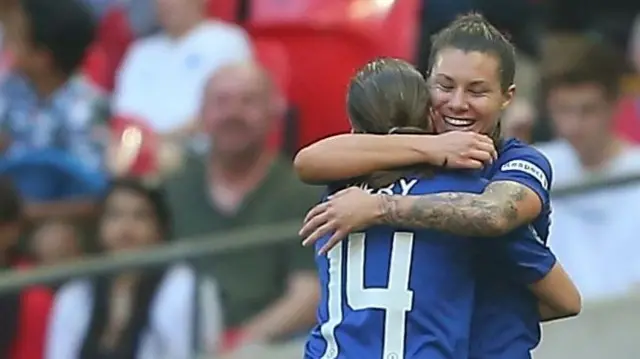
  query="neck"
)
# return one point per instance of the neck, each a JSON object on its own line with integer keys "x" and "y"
{"x": 599, "y": 156}
{"x": 181, "y": 30}
{"x": 238, "y": 172}
{"x": 46, "y": 85}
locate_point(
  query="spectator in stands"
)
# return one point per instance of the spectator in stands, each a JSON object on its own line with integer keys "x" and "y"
{"x": 595, "y": 233}
{"x": 54, "y": 242}
{"x": 270, "y": 290}
{"x": 519, "y": 120}
{"x": 49, "y": 116}
{"x": 162, "y": 77}
{"x": 24, "y": 315}
{"x": 134, "y": 314}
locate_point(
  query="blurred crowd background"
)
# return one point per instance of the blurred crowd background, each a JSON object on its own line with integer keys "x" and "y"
{"x": 196, "y": 107}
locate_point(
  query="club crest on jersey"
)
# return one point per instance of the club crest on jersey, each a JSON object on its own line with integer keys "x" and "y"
{"x": 528, "y": 168}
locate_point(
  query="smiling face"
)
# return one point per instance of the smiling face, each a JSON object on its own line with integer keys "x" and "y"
{"x": 466, "y": 91}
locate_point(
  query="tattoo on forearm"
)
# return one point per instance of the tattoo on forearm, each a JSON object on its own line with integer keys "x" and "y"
{"x": 491, "y": 213}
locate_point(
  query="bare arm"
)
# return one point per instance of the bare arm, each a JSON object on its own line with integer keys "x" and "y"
{"x": 353, "y": 155}
{"x": 558, "y": 295}
{"x": 503, "y": 206}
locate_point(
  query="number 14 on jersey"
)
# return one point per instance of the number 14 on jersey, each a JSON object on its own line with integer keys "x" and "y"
{"x": 395, "y": 299}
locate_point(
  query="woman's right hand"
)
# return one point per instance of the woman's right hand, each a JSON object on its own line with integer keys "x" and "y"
{"x": 460, "y": 150}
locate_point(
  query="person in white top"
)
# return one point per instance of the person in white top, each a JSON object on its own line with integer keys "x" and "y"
{"x": 596, "y": 234}
{"x": 162, "y": 77}
{"x": 137, "y": 314}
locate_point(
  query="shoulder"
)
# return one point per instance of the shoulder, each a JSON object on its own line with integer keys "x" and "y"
{"x": 179, "y": 275}
{"x": 519, "y": 157}
{"x": 146, "y": 45}
{"x": 190, "y": 177}
{"x": 220, "y": 40}
{"x": 74, "y": 288}
{"x": 143, "y": 50}
{"x": 14, "y": 88}
{"x": 88, "y": 91}
{"x": 176, "y": 289}
{"x": 516, "y": 149}
{"x": 221, "y": 28}
{"x": 73, "y": 294}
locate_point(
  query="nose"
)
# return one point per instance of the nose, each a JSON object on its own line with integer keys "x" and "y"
{"x": 458, "y": 102}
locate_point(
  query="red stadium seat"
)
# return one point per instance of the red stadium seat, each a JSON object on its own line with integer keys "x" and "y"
{"x": 226, "y": 10}
{"x": 96, "y": 66}
{"x": 112, "y": 41}
{"x": 627, "y": 119}
{"x": 394, "y": 22}
{"x": 323, "y": 60}
{"x": 273, "y": 56}
{"x": 326, "y": 40}
{"x": 323, "y": 57}
{"x": 283, "y": 10}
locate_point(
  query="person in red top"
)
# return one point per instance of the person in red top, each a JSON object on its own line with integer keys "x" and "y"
{"x": 24, "y": 314}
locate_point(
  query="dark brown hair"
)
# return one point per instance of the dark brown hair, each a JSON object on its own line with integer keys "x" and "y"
{"x": 591, "y": 62}
{"x": 389, "y": 96}
{"x": 472, "y": 32}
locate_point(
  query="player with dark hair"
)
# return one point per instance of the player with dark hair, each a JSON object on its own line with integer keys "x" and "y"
{"x": 379, "y": 288}
{"x": 412, "y": 289}
{"x": 470, "y": 82}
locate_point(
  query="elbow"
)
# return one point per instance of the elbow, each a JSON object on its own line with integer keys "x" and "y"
{"x": 301, "y": 166}
{"x": 304, "y": 168}
{"x": 574, "y": 307}
{"x": 493, "y": 226}
{"x": 570, "y": 307}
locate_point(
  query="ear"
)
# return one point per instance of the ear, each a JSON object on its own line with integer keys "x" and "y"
{"x": 508, "y": 96}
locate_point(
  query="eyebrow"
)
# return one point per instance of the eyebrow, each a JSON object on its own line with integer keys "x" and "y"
{"x": 472, "y": 83}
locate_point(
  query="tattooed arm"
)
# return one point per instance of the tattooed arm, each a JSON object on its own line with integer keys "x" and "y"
{"x": 503, "y": 206}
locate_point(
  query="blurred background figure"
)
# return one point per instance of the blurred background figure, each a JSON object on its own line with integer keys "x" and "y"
{"x": 48, "y": 113}
{"x": 582, "y": 93}
{"x": 270, "y": 290}
{"x": 594, "y": 233}
{"x": 55, "y": 242}
{"x": 162, "y": 77}
{"x": 519, "y": 120}
{"x": 133, "y": 315}
{"x": 25, "y": 314}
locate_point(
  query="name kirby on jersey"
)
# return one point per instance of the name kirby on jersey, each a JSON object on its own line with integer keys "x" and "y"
{"x": 401, "y": 187}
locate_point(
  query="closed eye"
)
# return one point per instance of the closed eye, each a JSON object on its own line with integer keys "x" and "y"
{"x": 445, "y": 87}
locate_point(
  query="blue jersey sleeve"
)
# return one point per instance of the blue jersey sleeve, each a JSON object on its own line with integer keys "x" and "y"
{"x": 530, "y": 259}
{"x": 525, "y": 165}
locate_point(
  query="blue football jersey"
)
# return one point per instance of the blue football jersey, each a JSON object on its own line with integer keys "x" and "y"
{"x": 506, "y": 323}
{"x": 394, "y": 293}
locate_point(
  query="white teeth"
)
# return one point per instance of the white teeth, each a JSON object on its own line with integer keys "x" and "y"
{"x": 458, "y": 121}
